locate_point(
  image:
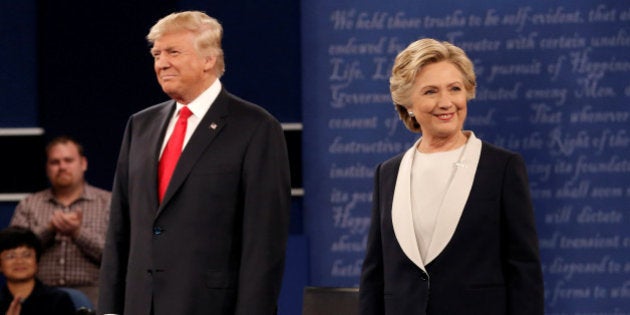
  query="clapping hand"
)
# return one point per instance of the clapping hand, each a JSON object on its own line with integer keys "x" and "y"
{"x": 15, "y": 307}
{"x": 67, "y": 223}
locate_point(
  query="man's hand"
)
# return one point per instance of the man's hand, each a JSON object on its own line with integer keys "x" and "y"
{"x": 67, "y": 223}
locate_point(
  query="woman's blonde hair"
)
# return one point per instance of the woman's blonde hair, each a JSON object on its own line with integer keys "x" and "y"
{"x": 411, "y": 60}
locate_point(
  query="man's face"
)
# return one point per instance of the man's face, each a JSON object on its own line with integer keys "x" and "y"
{"x": 65, "y": 167}
{"x": 18, "y": 264}
{"x": 181, "y": 71}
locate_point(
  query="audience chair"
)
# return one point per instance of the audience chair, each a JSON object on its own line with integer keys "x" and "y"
{"x": 80, "y": 300}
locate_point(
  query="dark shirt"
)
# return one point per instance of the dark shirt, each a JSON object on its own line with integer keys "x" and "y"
{"x": 43, "y": 300}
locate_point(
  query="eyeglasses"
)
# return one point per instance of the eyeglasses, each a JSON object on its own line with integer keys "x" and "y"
{"x": 13, "y": 255}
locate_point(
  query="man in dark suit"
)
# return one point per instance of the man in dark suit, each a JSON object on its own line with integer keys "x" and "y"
{"x": 203, "y": 232}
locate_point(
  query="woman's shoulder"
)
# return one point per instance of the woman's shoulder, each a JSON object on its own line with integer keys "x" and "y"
{"x": 493, "y": 149}
{"x": 392, "y": 163}
{"x": 493, "y": 155}
{"x": 54, "y": 298}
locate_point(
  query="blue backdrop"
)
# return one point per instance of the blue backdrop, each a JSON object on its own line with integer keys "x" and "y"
{"x": 554, "y": 86}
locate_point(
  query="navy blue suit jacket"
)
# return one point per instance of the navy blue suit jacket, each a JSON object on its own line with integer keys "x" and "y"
{"x": 491, "y": 265}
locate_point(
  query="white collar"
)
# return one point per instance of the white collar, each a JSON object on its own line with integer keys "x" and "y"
{"x": 200, "y": 106}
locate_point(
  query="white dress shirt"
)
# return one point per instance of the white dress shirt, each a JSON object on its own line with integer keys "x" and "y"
{"x": 199, "y": 107}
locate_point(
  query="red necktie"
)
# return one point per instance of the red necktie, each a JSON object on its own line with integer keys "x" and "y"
{"x": 172, "y": 151}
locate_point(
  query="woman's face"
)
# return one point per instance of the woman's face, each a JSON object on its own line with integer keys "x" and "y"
{"x": 18, "y": 264}
{"x": 438, "y": 100}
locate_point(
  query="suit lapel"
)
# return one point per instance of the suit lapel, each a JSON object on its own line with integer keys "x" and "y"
{"x": 209, "y": 127}
{"x": 448, "y": 214}
{"x": 455, "y": 198}
{"x": 402, "y": 217}
{"x": 155, "y": 132}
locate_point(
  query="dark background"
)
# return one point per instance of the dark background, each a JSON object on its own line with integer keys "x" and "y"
{"x": 95, "y": 68}
{"x": 81, "y": 68}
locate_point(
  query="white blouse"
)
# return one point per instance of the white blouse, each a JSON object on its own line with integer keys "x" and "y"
{"x": 431, "y": 174}
{"x": 446, "y": 208}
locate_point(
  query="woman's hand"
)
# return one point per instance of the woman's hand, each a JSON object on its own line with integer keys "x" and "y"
{"x": 15, "y": 307}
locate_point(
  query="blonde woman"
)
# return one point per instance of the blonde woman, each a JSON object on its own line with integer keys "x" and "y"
{"x": 453, "y": 228}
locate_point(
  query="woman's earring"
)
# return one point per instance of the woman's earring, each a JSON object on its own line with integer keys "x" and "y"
{"x": 411, "y": 114}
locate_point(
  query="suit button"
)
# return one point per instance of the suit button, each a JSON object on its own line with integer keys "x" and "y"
{"x": 424, "y": 277}
{"x": 157, "y": 230}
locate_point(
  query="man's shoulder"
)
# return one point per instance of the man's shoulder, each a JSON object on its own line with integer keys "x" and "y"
{"x": 152, "y": 110}
{"x": 98, "y": 192}
{"x": 38, "y": 196}
{"x": 242, "y": 107}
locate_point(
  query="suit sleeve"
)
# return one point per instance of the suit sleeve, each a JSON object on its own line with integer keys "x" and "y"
{"x": 116, "y": 250}
{"x": 372, "y": 282}
{"x": 522, "y": 263}
{"x": 267, "y": 199}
